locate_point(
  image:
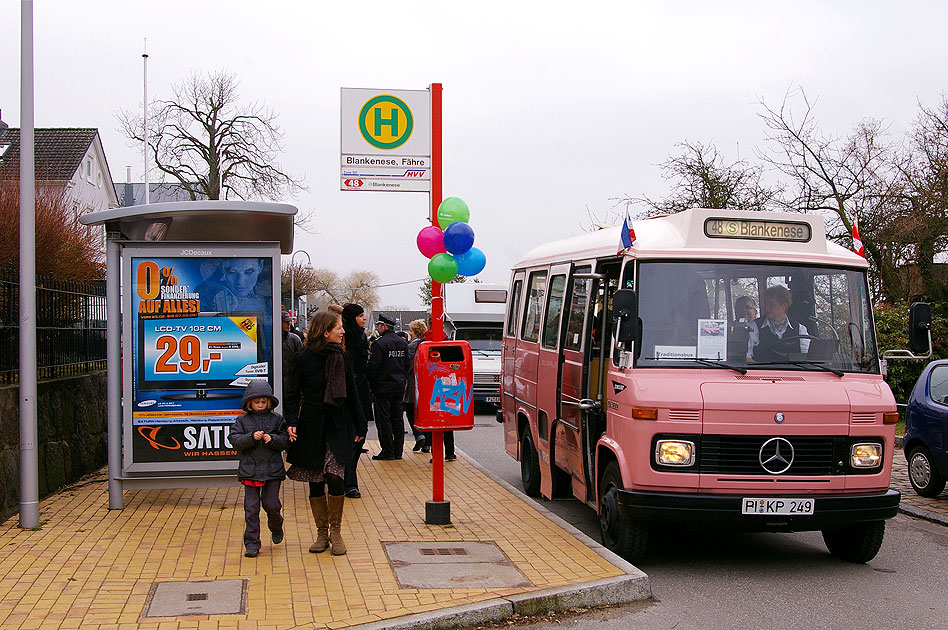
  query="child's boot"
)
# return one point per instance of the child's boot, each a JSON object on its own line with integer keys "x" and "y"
{"x": 335, "y": 524}
{"x": 321, "y": 516}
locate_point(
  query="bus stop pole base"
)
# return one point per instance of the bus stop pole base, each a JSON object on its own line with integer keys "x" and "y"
{"x": 437, "y": 512}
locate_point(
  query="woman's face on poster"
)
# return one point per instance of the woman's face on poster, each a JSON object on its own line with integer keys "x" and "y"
{"x": 240, "y": 275}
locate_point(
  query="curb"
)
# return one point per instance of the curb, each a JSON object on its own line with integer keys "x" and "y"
{"x": 632, "y": 587}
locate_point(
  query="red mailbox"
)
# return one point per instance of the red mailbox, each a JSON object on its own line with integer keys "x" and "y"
{"x": 444, "y": 386}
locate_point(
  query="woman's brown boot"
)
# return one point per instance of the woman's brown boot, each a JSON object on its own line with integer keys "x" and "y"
{"x": 335, "y": 524}
{"x": 321, "y": 516}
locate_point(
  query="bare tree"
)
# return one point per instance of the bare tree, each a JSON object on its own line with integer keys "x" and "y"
{"x": 702, "y": 179}
{"x": 361, "y": 287}
{"x": 211, "y": 144}
{"x": 320, "y": 283}
{"x": 842, "y": 177}
{"x": 924, "y": 169}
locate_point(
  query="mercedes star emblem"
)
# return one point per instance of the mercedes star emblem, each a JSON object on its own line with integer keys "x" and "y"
{"x": 778, "y": 417}
{"x": 776, "y": 455}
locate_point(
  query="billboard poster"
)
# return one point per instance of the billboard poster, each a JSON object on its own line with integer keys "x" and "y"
{"x": 199, "y": 327}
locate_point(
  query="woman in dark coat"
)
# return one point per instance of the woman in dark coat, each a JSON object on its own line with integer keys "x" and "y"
{"x": 357, "y": 347}
{"x": 325, "y": 418}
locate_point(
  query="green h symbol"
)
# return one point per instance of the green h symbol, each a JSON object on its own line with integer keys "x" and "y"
{"x": 380, "y": 122}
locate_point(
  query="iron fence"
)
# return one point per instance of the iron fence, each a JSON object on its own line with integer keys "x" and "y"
{"x": 70, "y": 326}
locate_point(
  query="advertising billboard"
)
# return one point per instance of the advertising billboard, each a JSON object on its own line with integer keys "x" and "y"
{"x": 200, "y": 322}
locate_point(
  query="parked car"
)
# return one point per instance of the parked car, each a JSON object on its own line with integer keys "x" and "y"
{"x": 926, "y": 430}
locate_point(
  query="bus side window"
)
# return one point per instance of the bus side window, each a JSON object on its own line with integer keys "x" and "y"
{"x": 531, "y": 317}
{"x": 513, "y": 309}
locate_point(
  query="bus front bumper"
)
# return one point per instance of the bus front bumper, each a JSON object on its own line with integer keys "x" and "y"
{"x": 713, "y": 510}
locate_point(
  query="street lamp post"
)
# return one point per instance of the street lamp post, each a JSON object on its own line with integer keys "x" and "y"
{"x": 308, "y": 266}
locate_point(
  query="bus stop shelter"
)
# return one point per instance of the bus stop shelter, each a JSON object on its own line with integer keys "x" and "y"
{"x": 193, "y": 294}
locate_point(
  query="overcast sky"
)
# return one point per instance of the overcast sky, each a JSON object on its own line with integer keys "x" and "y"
{"x": 550, "y": 108}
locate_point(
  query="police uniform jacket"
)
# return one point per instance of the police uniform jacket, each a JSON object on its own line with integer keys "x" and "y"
{"x": 388, "y": 364}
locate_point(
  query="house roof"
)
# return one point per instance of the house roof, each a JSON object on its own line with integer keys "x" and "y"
{"x": 157, "y": 193}
{"x": 58, "y": 152}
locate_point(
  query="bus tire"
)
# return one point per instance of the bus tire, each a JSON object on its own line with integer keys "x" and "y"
{"x": 529, "y": 465}
{"x": 923, "y": 474}
{"x": 859, "y": 542}
{"x": 628, "y": 539}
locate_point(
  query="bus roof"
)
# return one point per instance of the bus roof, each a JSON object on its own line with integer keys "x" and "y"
{"x": 708, "y": 234}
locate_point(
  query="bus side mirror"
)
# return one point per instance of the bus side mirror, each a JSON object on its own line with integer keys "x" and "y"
{"x": 920, "y": 322}
{"x": 625, "y": 310}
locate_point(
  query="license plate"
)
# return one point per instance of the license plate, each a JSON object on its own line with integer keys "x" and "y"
{"x": 783, "y": 505}
{"x": 493, "y": 399}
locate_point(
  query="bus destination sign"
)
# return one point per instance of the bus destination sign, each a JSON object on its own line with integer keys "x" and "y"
{"x": 757, "y": 229}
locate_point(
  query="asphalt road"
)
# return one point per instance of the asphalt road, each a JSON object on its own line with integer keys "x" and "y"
{"x": 731, "y": 580}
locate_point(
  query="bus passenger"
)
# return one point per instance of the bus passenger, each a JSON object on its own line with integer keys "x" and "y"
{"x": 745, "y": 308}
{"x": 768, "y": 331}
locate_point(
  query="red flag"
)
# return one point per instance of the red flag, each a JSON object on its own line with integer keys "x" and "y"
{"x": 857, "y": 242}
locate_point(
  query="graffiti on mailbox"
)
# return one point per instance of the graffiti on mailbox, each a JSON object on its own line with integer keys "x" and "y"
{"x": 451, "y": 396}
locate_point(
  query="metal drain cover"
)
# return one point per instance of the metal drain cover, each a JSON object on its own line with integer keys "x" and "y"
{"x": 452, "y": 565}
{"x": 212, "y": 597}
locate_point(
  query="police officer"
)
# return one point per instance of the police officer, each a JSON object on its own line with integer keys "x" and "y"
{"x": 387, "y": 373}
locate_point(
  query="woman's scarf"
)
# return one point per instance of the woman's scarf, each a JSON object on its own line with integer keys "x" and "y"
{"x": 335, "y": 375}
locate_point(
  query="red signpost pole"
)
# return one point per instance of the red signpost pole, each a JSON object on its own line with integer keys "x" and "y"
{"x": 437, "y": 303}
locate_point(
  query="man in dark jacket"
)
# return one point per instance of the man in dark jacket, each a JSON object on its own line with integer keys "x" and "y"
{"x": 388, "y": 373}
{"x": 292, "y": 346}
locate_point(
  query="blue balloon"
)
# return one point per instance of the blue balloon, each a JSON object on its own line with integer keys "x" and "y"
{"x": 458, "y": 237}
{"x": 471, "y": 262}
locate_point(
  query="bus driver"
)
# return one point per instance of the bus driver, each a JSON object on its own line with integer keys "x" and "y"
{"x": 768, "y": 331}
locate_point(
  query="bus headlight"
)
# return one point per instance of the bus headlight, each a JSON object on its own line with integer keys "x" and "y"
{"x": 868, "y": 455}
{"x": 674, "y": 453}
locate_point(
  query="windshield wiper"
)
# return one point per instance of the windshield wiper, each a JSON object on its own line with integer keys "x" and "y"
{"x": 815, "y": 364}
{"x": 718, "y": 363}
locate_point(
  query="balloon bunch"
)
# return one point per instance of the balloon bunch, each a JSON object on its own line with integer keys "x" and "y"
{"x": 451, "y": 247}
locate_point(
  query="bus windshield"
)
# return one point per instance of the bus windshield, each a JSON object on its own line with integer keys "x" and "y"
{"x": 749, "y": 315}
{"x": 481, "y": 339}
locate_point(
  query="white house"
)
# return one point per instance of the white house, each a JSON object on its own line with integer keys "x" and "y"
{"x": 71, "y": 159}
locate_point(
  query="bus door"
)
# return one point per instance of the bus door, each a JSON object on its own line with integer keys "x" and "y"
{"x": 574, "y": 377}
{"x": 508, "y": 401}
{"x": 597, "y": 354}
{"x": 557, "y": 440}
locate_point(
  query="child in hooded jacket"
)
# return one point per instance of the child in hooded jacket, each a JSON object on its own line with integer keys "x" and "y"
{"x": 260, "y": 436}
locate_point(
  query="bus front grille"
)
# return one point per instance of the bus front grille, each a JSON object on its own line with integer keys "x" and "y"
{"x": 741, "y": 454}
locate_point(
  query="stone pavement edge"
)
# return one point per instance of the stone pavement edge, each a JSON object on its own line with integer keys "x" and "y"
{"x": 90, "y": 567}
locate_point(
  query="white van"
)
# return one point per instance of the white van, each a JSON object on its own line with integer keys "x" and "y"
{"x": 474, "y": 312}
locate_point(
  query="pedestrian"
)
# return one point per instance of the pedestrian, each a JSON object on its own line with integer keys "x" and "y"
{"x": 324, "y": 418}
{"x": 357, "y": 347}
{"x": 292, "y": 346}
{"x": 260, "y": 436}
{"x": 417, "y": 329}
{"x": 388, "y": 373}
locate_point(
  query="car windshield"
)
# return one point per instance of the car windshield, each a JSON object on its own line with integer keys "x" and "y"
{"x": 481, "y": 339}
{"x": 742, "y": 315}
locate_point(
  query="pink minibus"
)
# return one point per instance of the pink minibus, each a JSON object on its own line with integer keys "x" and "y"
{"x": 723, "y": 371}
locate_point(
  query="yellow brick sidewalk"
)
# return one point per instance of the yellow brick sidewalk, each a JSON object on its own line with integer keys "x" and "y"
{"x": 90, "y": 567}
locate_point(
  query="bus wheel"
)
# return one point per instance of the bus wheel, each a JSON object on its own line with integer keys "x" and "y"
{"x": 529, "y": 465}
{"x": 859, "y": 542}
{"x": 620, "y": 535}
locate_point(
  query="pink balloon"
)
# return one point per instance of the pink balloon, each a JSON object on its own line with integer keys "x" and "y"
{"x": 430, "y": 241}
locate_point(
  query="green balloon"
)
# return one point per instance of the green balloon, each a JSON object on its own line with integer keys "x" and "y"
{"x": 442, "y": 268}
{"x": 452, "y": 209}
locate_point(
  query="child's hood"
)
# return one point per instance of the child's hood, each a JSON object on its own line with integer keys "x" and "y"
{"x": 258, "y": 388}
